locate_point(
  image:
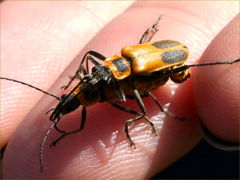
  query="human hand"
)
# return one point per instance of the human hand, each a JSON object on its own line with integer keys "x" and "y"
{"x": 101, "y": 150}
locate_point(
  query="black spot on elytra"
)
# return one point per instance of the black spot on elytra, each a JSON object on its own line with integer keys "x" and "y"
{"x": 165, "y": 44}
{"x": 171, "y": 57}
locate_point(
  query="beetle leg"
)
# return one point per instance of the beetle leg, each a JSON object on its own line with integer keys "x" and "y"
{"x": 56, "y": 121}
{"x": 163, "y": 110}
{"x": 81, "y": 71}
{"x": 56, "y": 127}
{"x": 92, "y": 56}
{"x": 82, "y": 125}
{"x": 119, "y": 91}
{"x": 130, "y": 111}
{"x": 140, "y": 116}
{"x": 59, "y": 130}
{"x": 150, "y": 32}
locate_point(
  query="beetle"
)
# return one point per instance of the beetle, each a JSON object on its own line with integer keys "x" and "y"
{"x": 131, "y": 75}
{"x": 139, "y": 69}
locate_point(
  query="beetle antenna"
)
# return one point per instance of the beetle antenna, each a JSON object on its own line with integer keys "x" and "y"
{"x": 29, "y": 85}
{"x": 214, "y": 63}
{"x": 43, "y": 144}
{"x": 187, "y": 66}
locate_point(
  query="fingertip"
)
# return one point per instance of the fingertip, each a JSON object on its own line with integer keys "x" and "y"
{"x": 217, "y": 88}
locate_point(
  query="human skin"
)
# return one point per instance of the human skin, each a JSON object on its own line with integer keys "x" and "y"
{"x": 101, "y": 151}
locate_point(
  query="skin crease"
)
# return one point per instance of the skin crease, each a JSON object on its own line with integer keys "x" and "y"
{"x": 101, "y": 150}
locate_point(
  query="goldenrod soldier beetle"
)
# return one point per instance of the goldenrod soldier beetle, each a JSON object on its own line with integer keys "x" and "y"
{"x": 139, "y": 69}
